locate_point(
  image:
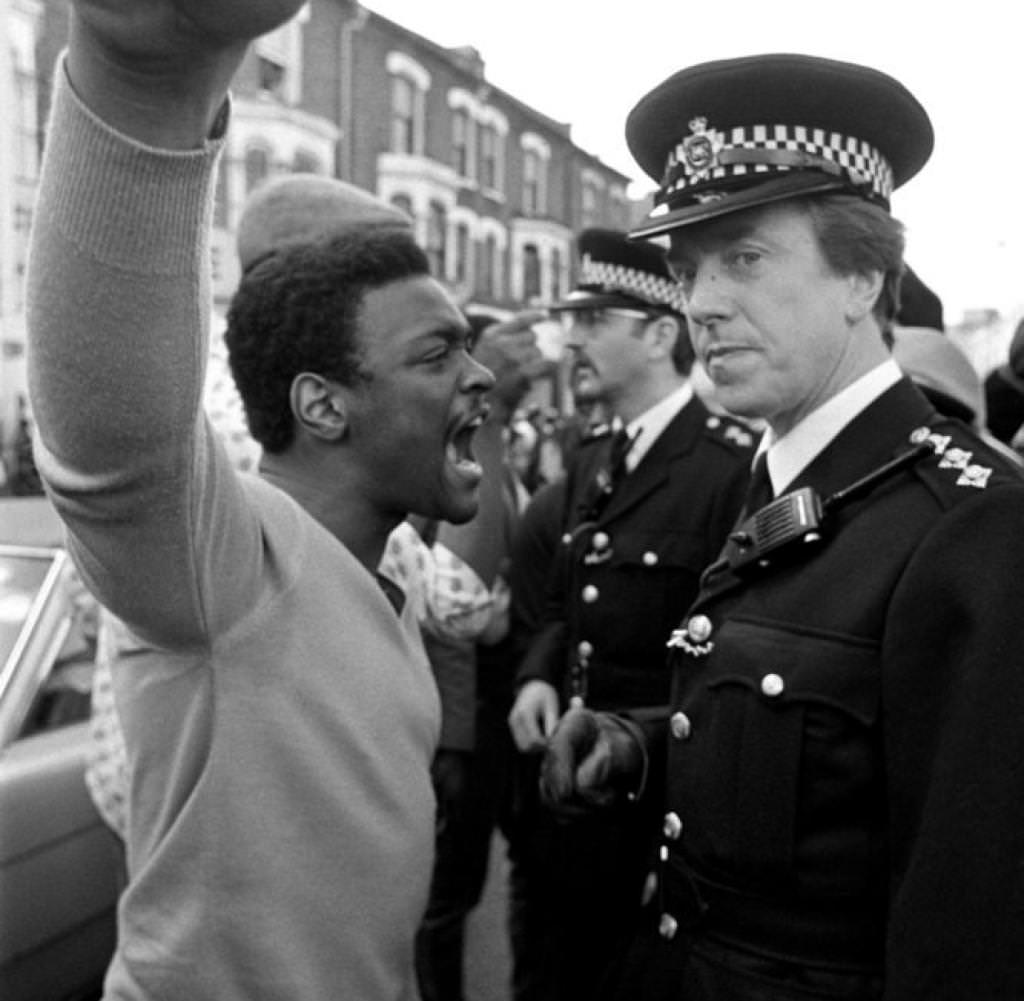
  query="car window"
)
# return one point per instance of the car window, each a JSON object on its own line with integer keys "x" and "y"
{"x": 63, "y": 697}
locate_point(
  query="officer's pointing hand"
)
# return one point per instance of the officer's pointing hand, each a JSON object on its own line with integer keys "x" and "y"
{"x": 591, "y": 760}
{"x": 512, "y": 343}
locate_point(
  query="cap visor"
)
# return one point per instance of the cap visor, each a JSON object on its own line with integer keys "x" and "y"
{"x": 775, "y": 190}
{"x": 597, "y": 300}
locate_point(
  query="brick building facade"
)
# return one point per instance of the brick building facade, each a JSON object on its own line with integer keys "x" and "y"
{"x": 497, "y": 189}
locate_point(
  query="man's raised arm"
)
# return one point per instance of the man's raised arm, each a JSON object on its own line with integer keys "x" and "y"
{"x": 119, "y": 303}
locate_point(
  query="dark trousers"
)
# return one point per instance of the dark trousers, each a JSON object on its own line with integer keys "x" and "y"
{"x": 466, "y": 825}
{"x": 576, "y": 892}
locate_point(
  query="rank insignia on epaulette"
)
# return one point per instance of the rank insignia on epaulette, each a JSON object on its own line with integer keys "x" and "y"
{"x": 938, "y": 442}
{"x": 955, "y": 458}
{"x": 974, "y": 476}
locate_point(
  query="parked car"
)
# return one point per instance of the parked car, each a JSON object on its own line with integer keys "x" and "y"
{"x": 61, "y": 868}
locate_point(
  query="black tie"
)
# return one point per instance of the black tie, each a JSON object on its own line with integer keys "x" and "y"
{"x": 759, "y": 490}
{"x": 620, "y": 446}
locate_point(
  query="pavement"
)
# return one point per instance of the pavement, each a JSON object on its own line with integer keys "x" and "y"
{"x": 488, "y": 955}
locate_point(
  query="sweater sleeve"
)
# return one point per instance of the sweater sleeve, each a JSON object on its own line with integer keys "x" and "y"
{"x": 118, "y": 316}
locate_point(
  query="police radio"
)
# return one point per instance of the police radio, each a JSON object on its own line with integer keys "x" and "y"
{"x": 792, "y": 523}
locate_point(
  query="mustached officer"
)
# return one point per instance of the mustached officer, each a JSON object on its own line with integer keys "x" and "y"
{"x": 844, "y": 792}
{"x": 647, "y": 507}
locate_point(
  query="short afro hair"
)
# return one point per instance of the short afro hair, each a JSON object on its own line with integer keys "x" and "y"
{"x": 297, "y": 310}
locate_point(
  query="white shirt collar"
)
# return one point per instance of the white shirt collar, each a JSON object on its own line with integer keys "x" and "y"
{"x": 789, "y": 455}
{"x": 646, "y": 428}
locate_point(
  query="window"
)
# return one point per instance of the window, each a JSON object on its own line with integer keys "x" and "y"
{"x": 271, "y": 76}
{"x": 305, "y": 162}
{"x": 590, "y": 205}
{"x": 536, "y": 155}
{"x": 556, "y": 274}
{"x": 492, "y": 129}
{"x": 279, "y": 60}
{"x": 403, "y": 115}
{"x": 499, "y": 268}
{"x": 462, "y": 245}
{"x": 462, "y": 145}
{"x": 490, "y": 144}
{"x": 531, "y": 272}
{"x": 485, "y": 268}
{"x": 403, "y": 202}
{"x": 437, "y": 225}
{"x": 531, "y": 182}
{"x": 409, "y": 85}
{"x": 257, "y": 168}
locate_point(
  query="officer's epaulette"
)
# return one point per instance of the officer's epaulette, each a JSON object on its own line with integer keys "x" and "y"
{"x": 961, "y": 460}
{"x": 732, "y": 432}
{"x": 596, "y": 433}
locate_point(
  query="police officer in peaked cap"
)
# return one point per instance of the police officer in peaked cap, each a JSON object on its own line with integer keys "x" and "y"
{"x": 646, "y": 509}
{"x": 843, "y": 791}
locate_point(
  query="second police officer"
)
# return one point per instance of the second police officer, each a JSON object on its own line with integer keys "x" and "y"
{"x": 647, "y": 507}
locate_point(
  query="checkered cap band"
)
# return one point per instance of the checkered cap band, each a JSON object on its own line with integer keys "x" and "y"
{"x": 653, "y": 289}
{"x": 709, "y": 155}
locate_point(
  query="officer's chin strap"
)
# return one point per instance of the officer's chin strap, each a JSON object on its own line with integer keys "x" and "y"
{"x": 800, "y": 519}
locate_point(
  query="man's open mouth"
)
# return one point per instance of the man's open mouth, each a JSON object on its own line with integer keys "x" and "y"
{"x": 459, "y": 450}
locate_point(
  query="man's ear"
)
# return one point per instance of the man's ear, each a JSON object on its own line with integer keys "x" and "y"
{"x": 662, "y": 333}
{"x": 318, "y": 406}
{"x": 863, "y": 291}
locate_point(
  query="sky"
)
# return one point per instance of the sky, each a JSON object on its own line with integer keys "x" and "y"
{"x": 964, "y": 212}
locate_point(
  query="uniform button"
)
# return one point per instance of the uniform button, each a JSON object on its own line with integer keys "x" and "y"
{"x": 650, "y": 559}
{"x": 772, "y": 685}
{"x": 590, "y": 594}
{"x": 714, "y": 422}
{"x": 672, "y": 828}
{"x": 699, "y": 627}
{"x": 600, "y": 540}
{"x": 567, "y": 538}
{"x": 680, "y": 726}
{"x": 585, "y": 650}
{"x": 668, "y": 926}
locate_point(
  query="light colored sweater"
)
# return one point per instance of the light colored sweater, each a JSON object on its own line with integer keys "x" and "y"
{"x": 280, "y": 718}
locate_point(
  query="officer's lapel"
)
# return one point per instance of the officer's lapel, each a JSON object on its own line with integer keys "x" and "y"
{"x": 676, "y": 441}
{"x": 870, "y": 440}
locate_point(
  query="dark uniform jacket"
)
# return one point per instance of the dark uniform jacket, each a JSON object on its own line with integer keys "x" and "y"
{"x": 629, "y": 563}
{"x": 626, "y": 570}
{"x": 846, "y": 746}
